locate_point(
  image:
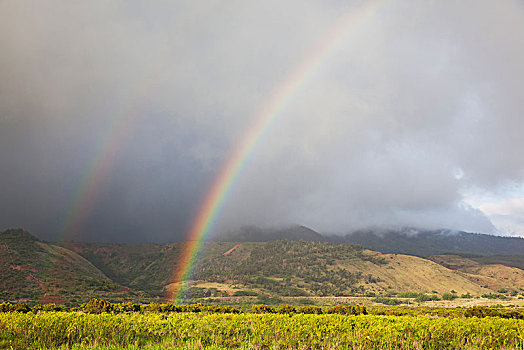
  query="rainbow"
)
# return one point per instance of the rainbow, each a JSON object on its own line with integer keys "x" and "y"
{"x": 90, "y": 184}
{"x": 120, "y": 125}
{"x": 278, "y": 100}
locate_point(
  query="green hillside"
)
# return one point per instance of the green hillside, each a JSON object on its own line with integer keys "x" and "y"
{"x": 33, "y": 270}
{"x": 73, "y": 272}
{"x": 286, "y": 268}
{"x": 146, "y": 267}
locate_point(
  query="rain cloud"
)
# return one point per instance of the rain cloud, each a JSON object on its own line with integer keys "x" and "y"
{"x": 414, "y": 120}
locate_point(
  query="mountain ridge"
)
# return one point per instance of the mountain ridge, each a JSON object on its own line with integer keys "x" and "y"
{"x": 73, "y": 272}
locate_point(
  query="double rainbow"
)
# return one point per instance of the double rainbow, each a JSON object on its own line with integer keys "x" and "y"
{"x": 281, "y": 97}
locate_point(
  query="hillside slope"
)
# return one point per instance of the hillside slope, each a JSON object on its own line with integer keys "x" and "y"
{"x": 35, "y": 270}
{"x": 73, "y": 272}
{"x": 299, "y": 268}
{"x": 495, "y": 276}
{"x": 146, "y": 267}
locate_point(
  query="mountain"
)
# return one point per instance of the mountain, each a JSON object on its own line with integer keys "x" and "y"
{"x": 434, "y": 242}
{"x": 145, "y": 267}
{"x": 405, "y": 240}
{"x": 74, "y": 272}
{"x": 37, "y": 271}
{"x": 301, "y": 268}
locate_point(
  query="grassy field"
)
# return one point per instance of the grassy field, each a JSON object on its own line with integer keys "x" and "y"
{"x": 78, "y": 330}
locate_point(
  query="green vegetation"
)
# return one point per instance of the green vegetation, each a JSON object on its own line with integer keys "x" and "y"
{"x": 35, "y": 271}
{"x": 235, "y": 274}
{"x": 494, "y": 296}
{"x": 267, "y": 329}
{"x": 288, "y": 268}
{"x": 387, "y": 301}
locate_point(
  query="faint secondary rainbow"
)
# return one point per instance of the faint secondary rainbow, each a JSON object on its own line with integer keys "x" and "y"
{"x": 120, "y": 126}
{"x": 280, "y": 97}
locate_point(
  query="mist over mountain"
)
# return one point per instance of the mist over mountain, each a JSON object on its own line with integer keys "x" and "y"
{"x": 432, "y": 242}
{"x": 405, "y": 240}
{"x": 258, "y": 234}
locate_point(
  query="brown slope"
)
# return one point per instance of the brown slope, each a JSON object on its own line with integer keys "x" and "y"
{"x": 494, "y": 276}
{"x": 411, "y": 273}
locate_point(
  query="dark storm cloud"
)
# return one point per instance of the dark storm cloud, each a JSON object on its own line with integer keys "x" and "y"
{"x": 420, "y": 106}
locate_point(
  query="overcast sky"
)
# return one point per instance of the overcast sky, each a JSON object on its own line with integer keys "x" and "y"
{"x": 416, "y": 119}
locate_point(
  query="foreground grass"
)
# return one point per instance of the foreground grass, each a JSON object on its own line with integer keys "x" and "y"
{"x": 255, "y": 331}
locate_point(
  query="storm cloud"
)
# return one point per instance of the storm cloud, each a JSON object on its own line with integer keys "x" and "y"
{"x": 414, "y": 120}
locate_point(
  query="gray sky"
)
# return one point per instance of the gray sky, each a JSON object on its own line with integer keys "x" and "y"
{"x": 415, "y": 119}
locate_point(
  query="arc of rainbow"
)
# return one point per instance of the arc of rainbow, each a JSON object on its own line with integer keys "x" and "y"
{"x": 91, "y": 182}
{"x": 120, "y": 125}
{"x": 278, "y": 100}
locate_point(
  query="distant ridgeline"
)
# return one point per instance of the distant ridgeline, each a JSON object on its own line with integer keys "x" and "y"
{"x": 400, "y": 241}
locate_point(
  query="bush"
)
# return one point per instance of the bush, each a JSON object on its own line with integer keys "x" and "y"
{"x": 97, "y": 306}
{"x": 408, "y": 295}
{"x": 21, "y": 308}
{"x": 494, "y": 296}
{"x": 424, "y": 297}
{"x": 46, "y": 307}
{"x": 348, "y": 310}
{"x": 262, "y": 309}
{"x": 310, "y": 309}
{"x": 387, "y": 301}
{"x": 287, "y": 309}
{"x": 6, "y": 307}
{"x": 126, "y": 307}
{"x": 480, "y": 311}
{"x": 224, "y": 309}
{"x": 448, "y": 296}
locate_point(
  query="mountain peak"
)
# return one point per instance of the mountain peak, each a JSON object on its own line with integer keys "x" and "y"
{"x": 17, "y": 235}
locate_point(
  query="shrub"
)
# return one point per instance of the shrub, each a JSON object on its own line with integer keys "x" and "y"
{"x": 408, "y": 295}
{"x": 46, "y": 307}
{"x": 287, "y": 309}
{"x": 21, "y": 308}
{"x": 262, "y": 309}
{"x": 480, "y": 311}
{"x": 348, "y": 310}
{"x": 448, "y": 296}
{"x": 6, "y": 307}
{"x": 424, "y": 297}
{"x": 387, "y": 301}
{"x": 97, "y": 306}
{"x": 494, "y": 296}
{"x": 310, "y": 309}
{"x": 224, "y": 309}
{"x": 126, "y": 307}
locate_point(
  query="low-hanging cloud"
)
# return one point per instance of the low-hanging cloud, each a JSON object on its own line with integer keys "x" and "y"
{"x": 420, "y": 103}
